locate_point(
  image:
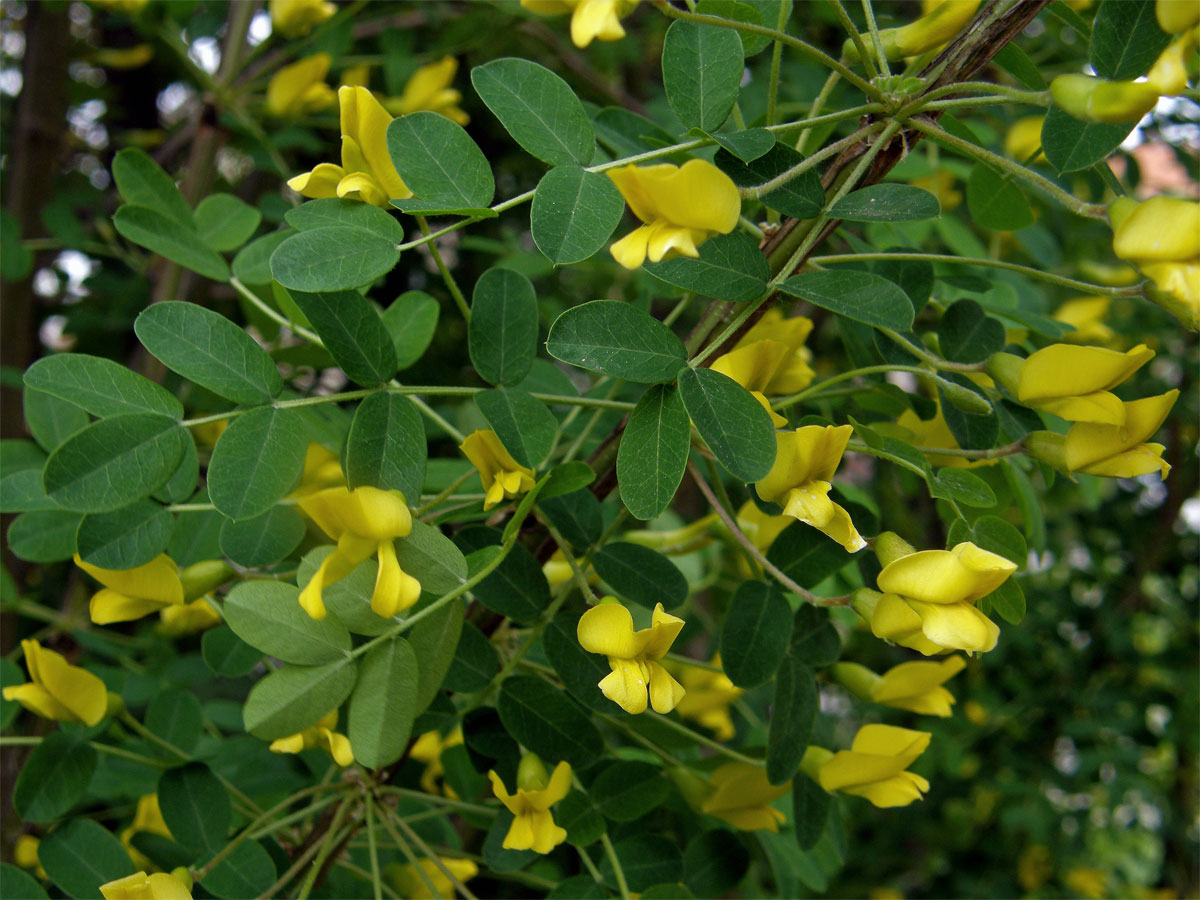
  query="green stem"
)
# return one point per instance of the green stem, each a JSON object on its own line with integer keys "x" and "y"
{"x": 450, "y": 489}
{"x": 268, "y": 311}
{"x": 433, "y": 416}
{"x": 818, "y": 387}
{"x": 327, "y": 846}
{"x": 275, "y": 890}
{"x": 708, "y": 742}
{"x": 611, "y": 853}
{"x": 884, "y": 68}
{"x": 386, "y": 821}
{"x": 933, "y": 359}
{"x": 820, "y": 156}
{"x": 434, "y": 798}
{"x": 451, "y": 284}
{"x": 776, "y": 59}
{"x": 855, "y": 38}
{"x": 18, "y": 741}
{"x": 437, "y": 860}
{"x": 378, "y": 885}
{"x": 815, "y": 109}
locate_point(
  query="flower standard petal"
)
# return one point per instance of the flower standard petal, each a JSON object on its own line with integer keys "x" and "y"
{"x": 1088, "y": 443}
{"x": 76, "y": 690}
{"x": 963, "y": 574}
{"x": 320, "y": 183}
{"x": 608, "y": 629}
{"x": 156, "y": 580}
{"x": 699, "y": 195}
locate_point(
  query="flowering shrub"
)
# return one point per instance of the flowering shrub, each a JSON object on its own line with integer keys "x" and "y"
{"x": 422, "y": 524}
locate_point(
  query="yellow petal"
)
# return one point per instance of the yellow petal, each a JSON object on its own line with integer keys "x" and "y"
{"x": 156, "y": 580}
{"x": 1175, "y": 16}
{"x": 665, "y": 691}
{"x": 520, "y": 834}
{"x": 625, "y": 685}
{"x": 1144, "y": 459}
{"x": 699, "y": 196}
{"x": 366, "y": 121}
{"x": 295, "y": 18}
{"x": 77, "y": 689}
{"x": 559, "y": 785}
{"x": 1162, "y": 229}
{"x": 1088, "y": 444}
{"x": 962, "y": 574}
{"x": 503, "y": 796}
{"x": 899, "y": 790}
{"x": 426, "y": 84}
{"x": 608, "y": 629}
{"x": 321, "y": 182}
{"x": 918, "y": 684}
{"x": 595, "y": 19}
{"x": 630, "y": 251}
{"x": 288, "y": 92}
{"x": 108, "y": 606}
{"x": 810, "y": 453}
{"x": 339, "y": 748}
{"x": 957, "y": 626}
{"x": 546, "y": 835}
{"x": 38, "y": 701}
{"x": 1024, "y": 139}
{"x": 293, "y": 743}
{"x": 1063, "y": 370}
{"x": 363, "y": 186}
{"x": 753, "y": 365}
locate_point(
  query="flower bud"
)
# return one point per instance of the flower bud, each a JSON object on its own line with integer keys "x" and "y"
{"x": 1047, "y": 447}
{"x": 1097, "y": 100}
{"x": 964, "y": 398}
{"x": 864, "y": 600}
{"x": 200, "y": 578}
{"x": 858, "y": 680}
{"x": 1006, "y": 369}
{"x": 114, "y": 704}
{"x": 183, "y": 876}
{"x": 814, "y": 758}
{"x": 890, "y": 547}
{"x": 531, "y": 773}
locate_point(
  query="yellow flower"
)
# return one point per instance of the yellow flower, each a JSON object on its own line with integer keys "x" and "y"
{"x": 502, "y": 476}
{"x": 57, "y": 689}
{"x": 296, "y": 18}
{"x": 1175, "y": 16}
{"x": 132, "y": 593}
{"x": 533, "y": 826}
{"x": 25, "y": 854}
{"x": 632, "y": 656}
{"x": 1075, "y": 383}
{"x": 928, "y": 600}
{"x": 407, "y": 880}
{"x": 761, "y": 528}
{"x": 771, "y": 359}
{"x": 1024, "y": 139}
{"x": 428, "y": 749}
{"x": 874, "y": 766}
{"x": 1086, "y": 315}
{"x": 300, "y": 88}
{"x": 364, "y": 521}
{"x": 140, "y": 886}
{"x": 319, "y": 735}
{"x": 931, "y": 433}
{"x": 742, "y": 796}
{"x": 708, "y": 696}
{"x": 940, "y": 21}
{"x": 1162, "y": 235}
{"x": 590, "y": 19}
{"x": 366, "y": 172}
{"x": 804, "y": 464}
{"x": 188, "y": 618}
{"x": 915, "y": 686}
{"x": 321, "y": 470}
{"x": 682, "y": 206}
{"x": 429, "y": 89}
{"x": 147, "y": 818}
{"x": 1119, "y": 451}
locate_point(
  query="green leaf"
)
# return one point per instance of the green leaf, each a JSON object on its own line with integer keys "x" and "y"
{"x": 475, "y": 662}
{"x": 577, "y": 517}
{"x": 653, "y": 452}
{"x": 252, "y": 265}
{"x": 755, "y": 634}
{"x": 349, "y": 598}
{"x": 626, "y": 133}
{"x": 524, "y": 424}
{"x": 439, "y": 162}
{"x": 810, "y": 811}
{"x": 792, "y": 717}
{"x": 567, "y": 478}
{"x": 1029, "y": 501}
{"x": 263, "y": 540}
{"x": 351, "y": 329}
{"x": 962, "y": 486}
{"x": 1016, "y": 62}
{"x": 646, "y": 859}
{"x": 517, "y": 588}
{"x": 53, "y": 778}
{"x": 113, "y": 462}
{"x": 503, "y": 331}
{"x": 51, "y": 420}
{"x": 23, "y": 492}
{"x": 544, "y": 720}
{"x": 1071, "y": 144}
{"x": 584, "y": 826}
{"x": 640, "y": 574}
{"x": 44, "y": 536}
{"x": 814, "y": 640}
{"x": 383, "y": 705}
{"x": 702, "y": 72}
{"x": 207, "y": 348}
{"x": 915, "y": 277}
{"x": 730, "y": 267}
{"x": 887, "y": 202}
{"x": 805, "y": 555}
{"x": 1126, "y": 40}
{"x": 1008, "y": 601}
{"x": 574, "y": 213}
{"x": 161, "y": 234}
{"x": 861, "y": 296}
{"x": 182, "y": 484}
{"x": 626, "y": 790}
{"x": 973, "y": 431}
{"x": 801, "y": 197}
{"x": 125, "y": 538}
{"x": 537, "y": 108}
{"x": 746, "y": 145}
{"x": 619, "y": 340}
{"x": 714, "y": 862}
{"x": 143, "y": 182}
{"x": 290, "y": 699}
{"x": 416, "y": 207}
{"x": 248, "y": 871}
{"x": 386, "y": 447}
{"x": 256, "y": 461}
{"x": 580, "y": 671}
{"x": 334, "y": 258}
{"x": 333, "y": 211}
{"x": 734, "y": 425}
{"x": 100, "y": 386}
{"x": 411, "y": 321}
{"x": 995, "y": 534}
{"x": 968, "y": 335}
{"x": 176, "y": 717}
{"x": 431, "y": 557}
{"x": 227, "y": 654}
{"x": 225, "y": 222}
{"x": 434, "y": 640}
{"x": 18, "y": 883}
{"x": 760, "y": 12}
{"x": 82, "y": 855}
{"x": 195, "y": 806}
{"x": 995, "y": 202}
{"x": 267, "y": 615}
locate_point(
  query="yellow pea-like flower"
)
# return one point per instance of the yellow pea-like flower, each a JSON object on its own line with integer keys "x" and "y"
{"x": 1087, "y": 316}
{"x": 533, "y": 827}
{"x": 591, "y": 20}
{"x": 1175, "y": 16}
{"x": 296, "y": 18}
{"x": 708, "y": 696}
{"x": 1024, "y": 139}
{"x": 1162, "y": 235}
{"x": 140, "y": 886}
{"x": 429, "y": 89}
{"x": 742, "y": 796}
{"x": 874, "y": 767}
{"x": 940, "y": 21}
{"x": 58, "y": 690}
{"x": 771, "y": 359}
{"x": 428, "y": 748}
{"x": 1121, "y": 451}
{"x": 409, "y": 883}
{"x": 300, "y": 88}
{"x": 319, "y": 735}
{"x": 805, "y": 461}
{"x": 1075, "y": 383}
{"x": 681, "y": 206}
{"x": 502, "y": 476}
{"x": 915, "y": 686}
{"x": 633, "y": 656}
{"x": 132, "y": 593}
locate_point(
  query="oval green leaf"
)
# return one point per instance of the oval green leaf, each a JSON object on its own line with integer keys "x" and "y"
{"x": 653, "y": 452}
{"x": 619, "y": 340}
{"x": 351, "y": 329}
{"x": 734, "y": 425}
{"x": 386, "y": 447}
{"x": 195, "y": 806}
{"x": 503, "y": 331}
{"x": 100, "y": 386}
{"x": 995, "y": 202}
{"x": 225, "y": 222}
{"x": 524, "y": 424}
{"x": 574, "y": 213}
{"x": 755, "y": 634}
{"x": 383, "y": 705}
{"x": 292, "y": 698}
{"x": 730, "y": 267}
{"x": 439, "y": 162}
{"x": 267, "y": 615}
{"x": 544, "y": 720}
{"x": 82, "y": 855}
{"x": 802, "y": 197}
{"x": 332, "y": 211}
{"x": 159, "y": 233}
{"x": 263, "y": 540}
{"x": 54, "y": 777}
{"x": 702, "y": 72}
{"x": 792, "y": 715}
{"x": 887, "y": 202}
{"x": 333, "y": 258}
{"x": 861, "y": 296}
{"x": 411, "y": 321}
{"x": 125, "y": 538}
{"x": 640, "y": 574}
{"x": 256, "y": 461}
